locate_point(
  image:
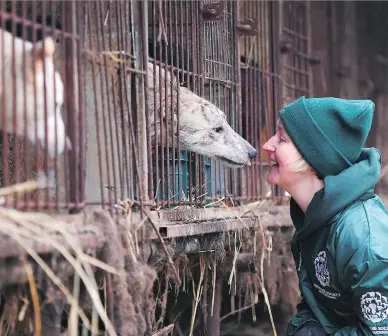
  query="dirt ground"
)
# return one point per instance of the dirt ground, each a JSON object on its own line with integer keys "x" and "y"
{"x": 262, "y": 329}
{"x": 262, "y": 326}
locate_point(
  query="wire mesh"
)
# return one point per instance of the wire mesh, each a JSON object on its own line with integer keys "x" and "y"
{"x": 174, "y": 49}
{"x": 259, "y": 84}
{"x": 296, "y": 62}
{"x": 220, "y": 88}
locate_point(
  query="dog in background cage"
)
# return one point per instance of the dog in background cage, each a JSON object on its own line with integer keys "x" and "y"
{"x": 28, "y": 84}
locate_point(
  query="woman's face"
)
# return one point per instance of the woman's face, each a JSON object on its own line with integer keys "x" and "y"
{"x": 283, "y": 153}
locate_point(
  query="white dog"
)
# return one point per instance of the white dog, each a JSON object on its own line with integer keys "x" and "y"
{"x": 30, "y": 112}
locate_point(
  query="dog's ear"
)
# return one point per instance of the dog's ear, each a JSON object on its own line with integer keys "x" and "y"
{"x": 163, "y": 78}
{"x": 164, "y": 123}
{"x": 43, "y": 49}
{"x": 171, "y": 124}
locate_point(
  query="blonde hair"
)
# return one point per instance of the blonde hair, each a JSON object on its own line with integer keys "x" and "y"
{"x": 299, "y": 165}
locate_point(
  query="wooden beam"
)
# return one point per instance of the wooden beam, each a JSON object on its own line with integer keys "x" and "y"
{"x": 171, "y": 223}
{"x": 206, "y": 227}
{"x": 192, "y": 222}
{"x": 87, "y": 232}
{"x": 15, "y": 273}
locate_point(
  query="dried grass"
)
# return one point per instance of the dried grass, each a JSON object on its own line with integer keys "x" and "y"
{"x": 199, "y": 278}
{"x": 20, "y": 226}
{"x": 131, "y": 280}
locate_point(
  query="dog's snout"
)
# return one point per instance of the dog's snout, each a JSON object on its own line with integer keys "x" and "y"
{"x": 252, "y": 153}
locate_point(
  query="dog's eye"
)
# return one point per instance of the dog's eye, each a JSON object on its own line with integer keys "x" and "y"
{"x": 218, "y": 129}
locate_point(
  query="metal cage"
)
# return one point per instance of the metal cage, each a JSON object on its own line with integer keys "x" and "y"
{"x": 96, "y": 63}
{"x": 228, "y": 53}
{"x": 260, "y": 87}
{"x": 296, "y": 48}
{"x": 121, "y": 112}
{"x": 42, "y": 114}
{"x": 198, "y": 47}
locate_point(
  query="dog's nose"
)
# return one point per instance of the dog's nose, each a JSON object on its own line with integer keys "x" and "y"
{"x": 252, "y": 153}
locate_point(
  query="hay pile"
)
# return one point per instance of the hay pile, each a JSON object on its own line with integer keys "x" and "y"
{"x": 32, "y": 232}
{"x": 100, "y": 282}
{"x": 132, "y": 287}
{"x": 124, "y": 284}
{"x": 268, "y": 286}
{"x": 272, "y": 290}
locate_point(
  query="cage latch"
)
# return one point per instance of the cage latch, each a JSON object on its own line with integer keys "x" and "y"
{"x": 213, "y": 11}
{"x": 247, "y": 27}
{"x": 286, "y": 47}
{"x": 315, "y": 59}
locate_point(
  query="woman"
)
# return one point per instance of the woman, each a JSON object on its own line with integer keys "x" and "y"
{"x": 340, "y": 245}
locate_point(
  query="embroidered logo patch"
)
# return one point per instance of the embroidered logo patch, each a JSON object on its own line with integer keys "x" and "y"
{"x": 374, "y": 306}
{"x": 321, "y": 271}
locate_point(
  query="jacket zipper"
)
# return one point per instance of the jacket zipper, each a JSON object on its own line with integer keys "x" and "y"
{"x": 300, "y": 257}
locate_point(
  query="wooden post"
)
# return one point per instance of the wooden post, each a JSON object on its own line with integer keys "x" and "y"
{"x": 214, "y": 321}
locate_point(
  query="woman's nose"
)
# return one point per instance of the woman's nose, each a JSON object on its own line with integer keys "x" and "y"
{"x": 268, "y": 147}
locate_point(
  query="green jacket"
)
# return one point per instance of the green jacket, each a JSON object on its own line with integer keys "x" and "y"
{"x": 340, "y": 248}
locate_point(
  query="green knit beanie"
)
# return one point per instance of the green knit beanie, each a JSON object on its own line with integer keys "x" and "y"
{"x": 328, "y": 132}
